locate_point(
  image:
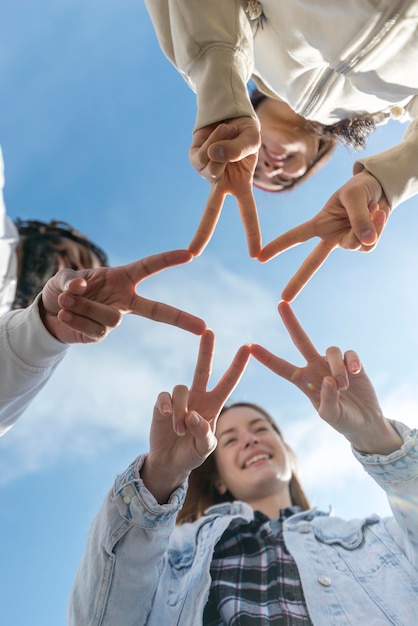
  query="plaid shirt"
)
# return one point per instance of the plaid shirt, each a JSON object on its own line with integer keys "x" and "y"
{"x": 255, "y": 581}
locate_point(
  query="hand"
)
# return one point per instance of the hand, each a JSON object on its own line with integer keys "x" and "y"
{"x": 338, "y": 388}
{"x": 83, "y": 306}
{"x": 353, "y": 218}
{"x": 183, "y": 425}
{"x": 226, "y": 155}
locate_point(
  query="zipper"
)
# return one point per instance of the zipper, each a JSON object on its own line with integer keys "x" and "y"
{"x": 382, "y": 28}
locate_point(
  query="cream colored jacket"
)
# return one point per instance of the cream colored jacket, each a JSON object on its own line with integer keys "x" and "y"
{"x": 326, "y": 58}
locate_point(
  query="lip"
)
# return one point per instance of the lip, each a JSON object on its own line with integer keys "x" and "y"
{"x": 255, "y": 458}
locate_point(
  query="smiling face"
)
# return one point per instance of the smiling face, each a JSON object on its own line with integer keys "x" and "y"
{"x": 289, "y": 146}
{"x": 252, "y": 461}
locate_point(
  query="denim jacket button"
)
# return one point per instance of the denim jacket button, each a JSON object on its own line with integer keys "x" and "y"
{"x": 126, "y": 499}
{"x": 324, "y": 580}
{"x": 304, "y": 529}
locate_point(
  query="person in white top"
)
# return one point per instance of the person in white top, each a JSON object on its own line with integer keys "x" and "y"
{"x": 80, "y": 303}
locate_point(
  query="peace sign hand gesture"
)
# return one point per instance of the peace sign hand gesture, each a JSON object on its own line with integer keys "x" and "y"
{"x": 83, "y": 306}
{"x": 338, "y": 388}
{"x": 226, "y": 155}
{"x": 184, "y": 422}
{"x": 353, "y": 218}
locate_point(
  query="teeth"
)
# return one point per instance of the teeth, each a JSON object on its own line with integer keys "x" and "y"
{"x": 254, "y": 459}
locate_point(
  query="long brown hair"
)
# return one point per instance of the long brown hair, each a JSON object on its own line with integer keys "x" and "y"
{"x": 202, "y": 492}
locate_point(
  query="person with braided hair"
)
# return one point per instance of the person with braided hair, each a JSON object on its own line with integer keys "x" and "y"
{"x": 326, "y": 71}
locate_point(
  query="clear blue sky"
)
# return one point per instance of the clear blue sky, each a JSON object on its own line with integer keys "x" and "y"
{"x": 95, "y": 126}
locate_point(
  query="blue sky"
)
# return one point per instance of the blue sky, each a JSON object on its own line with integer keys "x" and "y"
{"x": 95, "y": 126}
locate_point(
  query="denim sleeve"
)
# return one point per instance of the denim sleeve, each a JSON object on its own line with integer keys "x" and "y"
{"x": 397, "y": 474}
{"x": 119, "y": 571}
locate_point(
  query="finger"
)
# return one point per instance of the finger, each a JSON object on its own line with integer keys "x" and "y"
{"x": 231, "y": 377}
{"x": 76, "y": 286}
{"x": 205, "y": 440}
{"x": 352, "y": 361}
{"x": 355, "y": 202}
{"x": 337, "y": 367}
{"x": 139, "y": 270}
{"x": 204, "y": 361}
{"x": 160, "y": 312}
{"x": 291, "y": 238}
{"x": 296, "y": 332}
{"x": 276, "y": 364}
{"x": 328, "y": 408}
{"x": 99, "y": 313}
{"x": 208, "y": 222}
{"x": 308, "y": 268}
{"x": 235, "y": 149}
{"x": 249, "y": 216}
{"x": 198, "y": 155}
{"x": 90, "y": 330}
{"x": 180, "y": 399}
{"x": 164, "y": 403}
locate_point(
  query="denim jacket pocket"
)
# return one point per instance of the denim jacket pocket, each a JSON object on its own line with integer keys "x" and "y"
{"x": 356, "y": 545}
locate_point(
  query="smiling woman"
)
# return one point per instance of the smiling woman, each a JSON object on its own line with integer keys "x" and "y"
{"x": 258, "y": 554}
{"x": 246, "y": 430}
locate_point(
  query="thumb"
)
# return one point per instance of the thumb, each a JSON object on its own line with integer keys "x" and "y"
{"x": 205, "y": 440}
{"x": 328, "y": 407}
{"x": 76, "y": 285}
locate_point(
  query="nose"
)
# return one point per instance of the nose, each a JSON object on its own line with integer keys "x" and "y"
{"x": 292, "y": 165}
{"x": 250, "y": 439}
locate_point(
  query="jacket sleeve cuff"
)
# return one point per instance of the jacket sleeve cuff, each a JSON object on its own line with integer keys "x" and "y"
{"x": 221, "y": 65}
{"x": 396, "y": 168}
{"x": 136, "y": 504}
{"x": 399, "y": 466}
{"x": 29, "y": 340}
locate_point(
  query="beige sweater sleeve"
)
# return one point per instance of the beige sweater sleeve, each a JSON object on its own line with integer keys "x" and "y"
{"x": 397, "y": 168}
{"x": 210, "y": 42}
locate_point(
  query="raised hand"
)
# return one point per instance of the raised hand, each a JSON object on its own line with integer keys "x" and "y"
{"x": 338, "y": 388}
{"x": 226, "y": 155}
{"x": 353, "y": 218}
{"x": 83, "y": 306}
{"x": 183, "y": 425}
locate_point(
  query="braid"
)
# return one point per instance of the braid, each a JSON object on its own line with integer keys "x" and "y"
{"x": 352, "y": 132}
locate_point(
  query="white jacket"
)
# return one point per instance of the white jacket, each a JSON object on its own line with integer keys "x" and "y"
{"x": 9, "y": 237}
{"x": 327, "y": 59}
{"x": 29, "y": 355}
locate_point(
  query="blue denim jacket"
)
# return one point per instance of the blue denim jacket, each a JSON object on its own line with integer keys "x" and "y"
{"x": 139, "y": 568}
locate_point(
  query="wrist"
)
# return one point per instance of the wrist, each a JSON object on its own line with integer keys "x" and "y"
{"x": 383, "y": 442}
{"x": 160, "y": 480}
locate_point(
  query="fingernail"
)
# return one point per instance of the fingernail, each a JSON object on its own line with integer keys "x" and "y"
{"x": 181, "y": 428}
{"x": 67, "y": 300}
{"x": 218, "y": 153}
{"x": 66, "y": 316}
{"x": 194, "y": 419}
{"x": 354, "y": 367}
{"x": 368, "y": 236}
{"x": 166, "y": 408}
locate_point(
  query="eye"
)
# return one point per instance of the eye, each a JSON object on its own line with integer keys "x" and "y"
{"x": 261, "y": 429}
{"x": 229, "y": 441}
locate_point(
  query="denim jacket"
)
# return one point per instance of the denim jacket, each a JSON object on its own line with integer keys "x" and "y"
{"x": 139, "y": 568}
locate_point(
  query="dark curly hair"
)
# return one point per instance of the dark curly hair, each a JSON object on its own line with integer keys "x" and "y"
{"x": 39, "y": 260}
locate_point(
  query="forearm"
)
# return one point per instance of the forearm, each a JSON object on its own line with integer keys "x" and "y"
{"x": 211, "y": 45}
{"x": 397, "y": 474}
{"x": 28, "y": 357}
{"x": 119, "y": 572}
